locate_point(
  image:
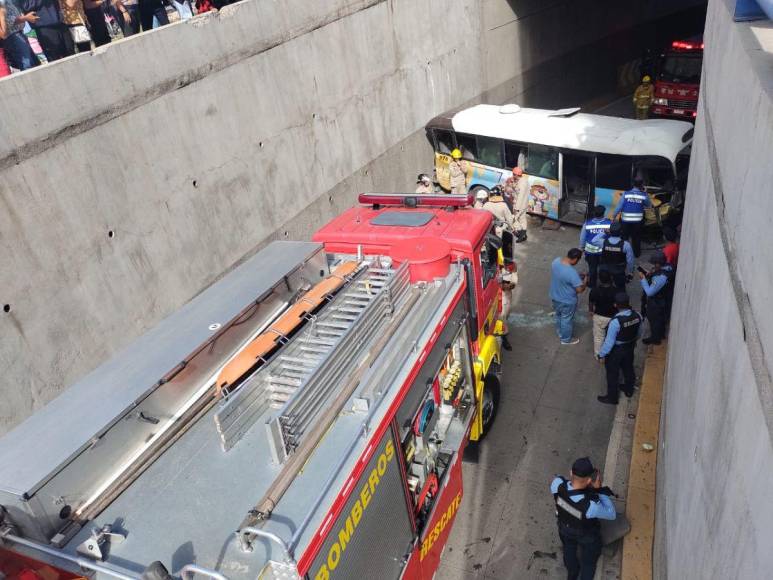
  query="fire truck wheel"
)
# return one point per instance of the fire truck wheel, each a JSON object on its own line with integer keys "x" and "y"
{"x": 490, "y": 402}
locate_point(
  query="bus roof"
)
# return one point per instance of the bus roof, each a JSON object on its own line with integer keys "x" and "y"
{"x": 580, "y": 131}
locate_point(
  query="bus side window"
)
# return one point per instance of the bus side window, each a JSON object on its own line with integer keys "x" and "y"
{"x": 515, "y": 155}
{"x": 542, "y": 162}
{"x": 468, "y": 146}
{"x": 658, "y": 173}
{"x": 444, "y": 141}
{"x": 613, "y": 171}
{"x": 490, "y": 151}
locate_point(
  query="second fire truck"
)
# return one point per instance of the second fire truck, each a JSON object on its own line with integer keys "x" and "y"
{"x": 304, "y": 417}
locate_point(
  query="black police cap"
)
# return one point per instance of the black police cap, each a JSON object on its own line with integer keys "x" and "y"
{"x": 583, "y": 467}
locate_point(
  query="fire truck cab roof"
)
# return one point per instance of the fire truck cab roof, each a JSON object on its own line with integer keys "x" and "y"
{"x": 384, "y": 222}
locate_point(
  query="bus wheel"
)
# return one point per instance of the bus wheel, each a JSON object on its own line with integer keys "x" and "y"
{"x": 490, "y": 403}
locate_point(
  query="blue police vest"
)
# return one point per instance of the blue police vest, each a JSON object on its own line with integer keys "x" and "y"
{"x": 593, "y": 228}
{"x": 633, "y": 205}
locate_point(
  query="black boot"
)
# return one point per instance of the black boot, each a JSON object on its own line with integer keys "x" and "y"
{"x": 506, "y": 343}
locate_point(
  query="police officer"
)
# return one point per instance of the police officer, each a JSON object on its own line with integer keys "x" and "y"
{"x": 617, "y": 351}
{"x": 581, "y": 502}
{"x": 616, "y": 255}
{"x": 424, "y": 184}
{"x": 458, "y": 168}
{"x": 643, "y": 96}
{"x": 658, "y": 287}
{"x": 631, "y": 207}
{"x": 598, "y": 224}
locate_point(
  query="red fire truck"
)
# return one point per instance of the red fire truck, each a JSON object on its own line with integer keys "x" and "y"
{"x": 304, "y": 417}
{"x": 678, "y": 80}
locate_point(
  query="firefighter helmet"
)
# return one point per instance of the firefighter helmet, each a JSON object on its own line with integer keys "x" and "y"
{"x": 646, "y": 79}
{"x": 481, "y": 195}
{"x": 456, "y": 154}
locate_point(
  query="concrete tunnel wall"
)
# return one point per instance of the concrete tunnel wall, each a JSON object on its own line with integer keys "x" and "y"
{"x": 134, "y": 176}
{"x": 714, "y": 513}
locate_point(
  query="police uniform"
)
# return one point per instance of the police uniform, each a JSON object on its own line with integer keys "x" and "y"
{"x": 631, "y": 208}
{"x": 617, "y": 351}
{"x": 658, "y": 290}
{"x": 458, "y": 169}
{"x": 590, "y": 232}
{"x": 579, "y": 512}
{"x": 616, "y": 257}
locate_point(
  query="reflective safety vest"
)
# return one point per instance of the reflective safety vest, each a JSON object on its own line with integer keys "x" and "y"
{"x": 593, "y": 228}
{"x": 633, "y": 205}
{"x": 612, "y": 253}
{"x": 573, "y": 514}
{"x": 629, "y": 327}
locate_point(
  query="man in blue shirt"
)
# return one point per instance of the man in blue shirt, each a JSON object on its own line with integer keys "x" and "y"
{"x": 631, "y": 207}
{"x": 658, "y": 287}
{"x": 617, "y": 350}
{"x": 616, "y": 255}
{"x": 565, "y": 285}
{"x": 581, "y": 502}
{"x": 595, "y": 226}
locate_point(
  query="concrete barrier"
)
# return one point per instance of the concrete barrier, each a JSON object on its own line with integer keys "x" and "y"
{"x": 134, "y": 176}
{"x": 716, "y": 459}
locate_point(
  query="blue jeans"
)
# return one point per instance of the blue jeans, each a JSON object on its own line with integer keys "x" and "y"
{"x": 564, "y": 319}
{"x": 18, "y": 52}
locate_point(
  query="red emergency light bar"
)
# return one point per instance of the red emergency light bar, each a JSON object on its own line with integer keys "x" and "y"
{"x": 416, "y": 199}
{"x": 680, "y": 45}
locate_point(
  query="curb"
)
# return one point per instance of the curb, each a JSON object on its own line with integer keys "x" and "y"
{"x": 640, "y": 508}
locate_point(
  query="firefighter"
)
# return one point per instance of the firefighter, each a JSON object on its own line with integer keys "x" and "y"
{"x": 581, "y": 502}
{"x": 616, "y": 255}
{"x": 497, "y": 206}
{"x": 517, "y": 187}
{"x": 631, "y": 209}
{"x": 424, "y": 184}
{"x": 458, "y": 168}
{"x": 481, "y": 197}
{"x": 658, "y": 287}
{"x": 592, "y": 228}
{"x": 617, "y": 350}
{"x": 508, "y": 281}
{"x": 642, "y": 98}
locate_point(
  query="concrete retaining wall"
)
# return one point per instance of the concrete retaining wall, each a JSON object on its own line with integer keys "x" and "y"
{"x": 714, "y": 518}
{"x": 133, "y": 177}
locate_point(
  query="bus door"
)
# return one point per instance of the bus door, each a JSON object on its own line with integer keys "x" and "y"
{"x": 577, "y": 172}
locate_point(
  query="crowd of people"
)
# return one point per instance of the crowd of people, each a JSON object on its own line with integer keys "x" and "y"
{"x": 610, "y": 249}
{"x": 33, "y": 32}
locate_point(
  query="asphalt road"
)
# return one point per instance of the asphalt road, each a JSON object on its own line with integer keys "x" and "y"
{"x": 549, "y": 416}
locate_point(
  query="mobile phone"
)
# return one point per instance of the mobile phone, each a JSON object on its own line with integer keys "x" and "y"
{"x": 642, "y": 270}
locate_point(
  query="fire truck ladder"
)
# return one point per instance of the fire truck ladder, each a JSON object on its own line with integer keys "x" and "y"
{"x": 305, "y": 374}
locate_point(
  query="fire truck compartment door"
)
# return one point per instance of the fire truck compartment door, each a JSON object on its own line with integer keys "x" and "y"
{"x": 369, "y": 535}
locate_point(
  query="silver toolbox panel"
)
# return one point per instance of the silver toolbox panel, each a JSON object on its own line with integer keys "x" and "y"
{"x": 371, "y": 535}
{"x": 67, "y": 453}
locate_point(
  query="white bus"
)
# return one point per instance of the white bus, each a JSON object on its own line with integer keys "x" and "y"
{"x": 573, "y": 160}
